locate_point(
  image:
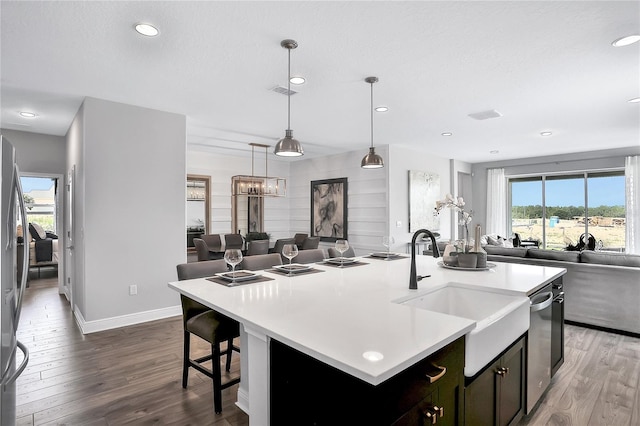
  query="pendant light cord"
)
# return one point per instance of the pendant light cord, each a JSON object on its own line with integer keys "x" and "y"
{"x": 289, "y": 93}
{"x": 372, "y": 115}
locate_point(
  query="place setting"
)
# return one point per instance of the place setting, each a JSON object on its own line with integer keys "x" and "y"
{"x": 387, "y": 241}
{"x": 342, "y": 246}
{"x": 234, "y": 278}
{"x": 292, "y": 269}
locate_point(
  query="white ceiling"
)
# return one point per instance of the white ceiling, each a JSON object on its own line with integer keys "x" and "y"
{"x": 545, "y": 65}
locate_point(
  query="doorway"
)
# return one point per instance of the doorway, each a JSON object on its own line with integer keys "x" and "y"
{"x": 43, "y": 201}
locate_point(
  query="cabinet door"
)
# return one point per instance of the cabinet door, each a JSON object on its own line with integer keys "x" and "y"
{"x": 510, "y": 385}
{"x": 480, "y": 398}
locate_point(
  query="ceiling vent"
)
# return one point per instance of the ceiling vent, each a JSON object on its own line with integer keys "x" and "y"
{"x": 283, "y": 90}
{"x": 485, "y": 115}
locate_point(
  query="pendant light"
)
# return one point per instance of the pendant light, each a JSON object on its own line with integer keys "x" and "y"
{"x": 372, "y": 160}
{"x": 258, "y": 186}
{"x": 288, "y": 146}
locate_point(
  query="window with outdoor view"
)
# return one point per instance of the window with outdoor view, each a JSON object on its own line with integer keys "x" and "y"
{"x": 39, "y": 195}
{"x": 570, "y": 212}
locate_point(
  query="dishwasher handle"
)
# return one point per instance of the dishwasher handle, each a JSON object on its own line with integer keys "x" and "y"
{"x": 541, "y": 301}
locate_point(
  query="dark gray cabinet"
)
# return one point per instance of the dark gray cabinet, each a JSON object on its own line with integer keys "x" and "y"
{"x": 306, "y": 391}
{"x": 495, "y": 396}
{"x": 557, "y": 326}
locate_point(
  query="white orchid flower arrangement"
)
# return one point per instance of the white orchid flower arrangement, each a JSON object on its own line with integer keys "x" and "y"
{"x": 465, "y": 217}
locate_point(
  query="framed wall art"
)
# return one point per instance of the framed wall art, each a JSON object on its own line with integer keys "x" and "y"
{"x": 329, "y": 209}
{"x": 424, "y": 191}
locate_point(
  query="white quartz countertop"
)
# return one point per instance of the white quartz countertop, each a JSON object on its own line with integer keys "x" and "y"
{"x": 339, "y": 314}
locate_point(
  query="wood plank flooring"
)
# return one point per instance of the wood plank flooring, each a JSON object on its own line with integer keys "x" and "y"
{"x": 132, "y": 375}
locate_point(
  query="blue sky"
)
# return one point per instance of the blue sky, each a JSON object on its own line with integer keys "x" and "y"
{"x": 603, "y": 191}
{"x": 31, "y": 183}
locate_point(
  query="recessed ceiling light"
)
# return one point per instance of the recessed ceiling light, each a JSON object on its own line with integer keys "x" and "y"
{"x": 28, "y": 114}
{"x": 545, "y": 133}
{"x": 382, "y": 109}
{"x": 147, "y": 30}
{"x": 297, "y": 80}
{"x": 634, "y": 100}
{"x": 625, "y": 41}
{"x": 495, "y": 151}
{"x": 447, "y": 134}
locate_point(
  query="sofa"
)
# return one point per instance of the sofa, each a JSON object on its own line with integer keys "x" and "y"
{"x": 602, "y": 289}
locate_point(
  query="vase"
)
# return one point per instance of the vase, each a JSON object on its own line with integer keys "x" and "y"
{"x": 467, "y": 260}
{"x": 481, "y": 254}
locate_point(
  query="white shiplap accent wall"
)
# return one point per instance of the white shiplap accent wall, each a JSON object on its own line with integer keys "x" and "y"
{"x": 221, "y": 168}
{"x": 367, "y": 196}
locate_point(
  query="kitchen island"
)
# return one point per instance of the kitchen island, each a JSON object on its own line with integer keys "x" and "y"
{"x": 338, "y": 315}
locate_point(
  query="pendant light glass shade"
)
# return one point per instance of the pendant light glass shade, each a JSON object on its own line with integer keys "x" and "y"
{"x": 288, "y": 146}
{"x": 372, "y": 160}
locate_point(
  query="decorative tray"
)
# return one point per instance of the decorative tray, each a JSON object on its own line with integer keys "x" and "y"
{"x": 489, "y": 266}
{"x": 384, "y": 254}
{"x": 340, "y": 260}
{"x": 241, "y": 275}
{"x": 293, "y": 268}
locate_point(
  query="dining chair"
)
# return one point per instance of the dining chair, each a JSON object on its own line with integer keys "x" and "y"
{"x": 309, "y": 256}
{"x": 261, "y": 261}
{"x": 208, "y": 247}
{"x": 335, "y": 253}
{"x": 299, "y": 238}
{"x": 277, "y": 248}
{"x": 258, "y": 247}
{"x": 310, "y": 243}
{"x": 234, "y": 241}
{"x": 202, "y": 249}
{"x": 209, "y": 325}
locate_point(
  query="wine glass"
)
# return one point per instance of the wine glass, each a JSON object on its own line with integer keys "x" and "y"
{"x": 290, "y": 251}
{"x": 233, "y": 257}
{"x": 342, "y": 246}
{"x": 388, "y": 241}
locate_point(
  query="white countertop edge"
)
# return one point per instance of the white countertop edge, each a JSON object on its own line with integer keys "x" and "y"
{"x": 376, "y": 380}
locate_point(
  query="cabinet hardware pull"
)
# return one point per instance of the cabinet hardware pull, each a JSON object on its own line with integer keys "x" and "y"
{"x": 436, "y": 377}
{"x": 502, "y": 371}
{"x": 439, "y": 410}
{"x": 430, "y": 415}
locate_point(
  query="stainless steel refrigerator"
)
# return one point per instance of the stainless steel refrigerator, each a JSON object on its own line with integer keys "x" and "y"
{"x": 12, "y": 213}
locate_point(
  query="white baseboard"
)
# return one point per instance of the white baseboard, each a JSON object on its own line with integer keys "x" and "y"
{"x": 115, "y": 322}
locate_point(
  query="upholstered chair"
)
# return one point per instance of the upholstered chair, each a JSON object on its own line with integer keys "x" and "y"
{"x": 310, "y": 243}
{"x": 234, "y": 241}
{"x": 209, "y": 325}
{"x": 309, "y": 256}
{"x": 335, "y": 253}
{"x": 277, "y": 248}
{"x": 202, "y": 249}
{"x": 258, "y": 247}
{"x": 261, "y": 261}
{"x": 299, "y": 238}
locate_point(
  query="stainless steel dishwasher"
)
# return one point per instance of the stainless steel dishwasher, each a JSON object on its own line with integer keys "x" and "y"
{"x": 539, "y": 346}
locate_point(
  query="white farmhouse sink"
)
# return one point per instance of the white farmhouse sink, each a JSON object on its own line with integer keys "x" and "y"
{"x": 500, "y": 319}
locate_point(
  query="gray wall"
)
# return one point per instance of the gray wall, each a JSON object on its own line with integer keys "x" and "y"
{"x": 130, "y": 210}
{"x": 36, "y": 153}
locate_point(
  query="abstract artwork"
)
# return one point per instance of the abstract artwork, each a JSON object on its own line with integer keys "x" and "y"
{"x": 329, "y": 209}
{"x": 424, "y": 191}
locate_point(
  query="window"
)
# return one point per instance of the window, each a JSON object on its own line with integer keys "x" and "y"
{"x": 40, "y": 201}
{"x": 559, "y": 211}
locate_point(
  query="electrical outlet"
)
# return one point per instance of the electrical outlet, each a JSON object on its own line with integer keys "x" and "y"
{"x": 398, "y": 224}
{"x": 133, "y": 290}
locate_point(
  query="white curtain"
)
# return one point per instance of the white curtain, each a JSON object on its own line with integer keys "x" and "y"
{"x": 632, "y": 189}
{"x": 496, "y": 202}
